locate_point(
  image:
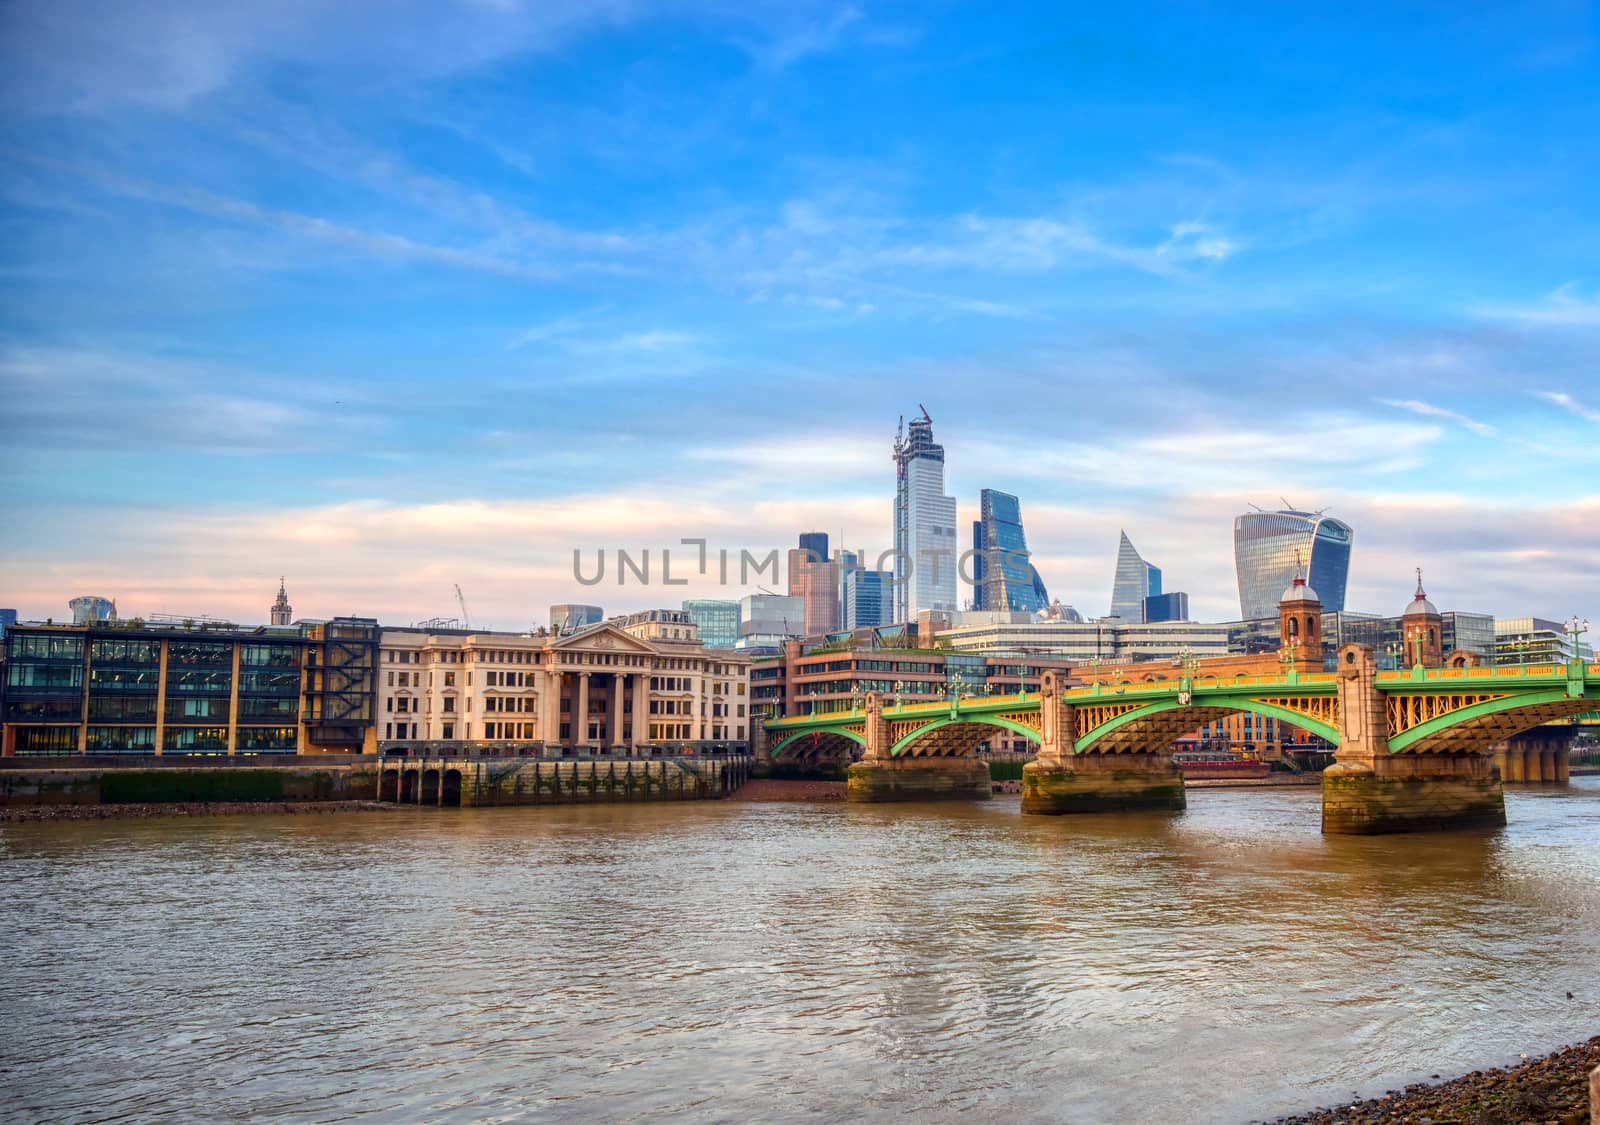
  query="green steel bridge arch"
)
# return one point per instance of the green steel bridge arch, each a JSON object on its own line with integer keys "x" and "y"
{"x": 1431, "y": 704}
{"x": 962, "y": 719}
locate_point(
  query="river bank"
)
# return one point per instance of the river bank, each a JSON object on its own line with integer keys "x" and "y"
{"x": 186, "y": 808}
{"x": 1552, "y": 1089}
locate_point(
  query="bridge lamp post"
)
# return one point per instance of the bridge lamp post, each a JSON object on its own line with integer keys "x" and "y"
{"x": 1395, "y": 650}
{"x": 1577, "y": 628}
{"x": 899, "y": 689}
{"x": 1415, "y": 637}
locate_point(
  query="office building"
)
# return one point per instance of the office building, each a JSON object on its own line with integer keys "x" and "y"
{"x": 814, "y": 579}
{"x": 717, "y": 621}
{"x": 1135, "y": 581}
{"x": 1004, "y": 577}
{"x": 925, "y": 554}
{"x": 104, "y": 689}
{"x": 567, "y": 618}
{"x": 1268, "y": 546}
{"x": 1172, "y": 606}
{"x": 89, "y": 609}
{"x": 1110, "y": 639}
{"x": 868, "y": 598}
{"x": 1536, "y": 640}
{"x": 7, "y": 617}
{"x": 767, "y": 620}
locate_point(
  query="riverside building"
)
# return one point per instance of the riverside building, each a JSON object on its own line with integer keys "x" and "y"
{"x": 631, "y": 686}
{"x": 141, "y": 690}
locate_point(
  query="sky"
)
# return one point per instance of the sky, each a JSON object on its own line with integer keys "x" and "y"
{"x": 386, "y": 298}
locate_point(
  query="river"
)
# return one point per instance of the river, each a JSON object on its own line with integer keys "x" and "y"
{"x": 725, "y": 961}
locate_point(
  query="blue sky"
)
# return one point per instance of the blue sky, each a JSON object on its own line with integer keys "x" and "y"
{"x": 386, "y": 297}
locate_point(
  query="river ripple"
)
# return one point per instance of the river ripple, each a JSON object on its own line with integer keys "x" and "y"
{"x": 734, "y": 962}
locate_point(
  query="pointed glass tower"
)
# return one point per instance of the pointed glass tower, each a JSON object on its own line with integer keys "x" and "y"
{"x": 1135, "y": 581}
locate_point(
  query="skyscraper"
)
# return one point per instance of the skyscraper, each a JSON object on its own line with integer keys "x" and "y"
{"x": 1135, "y": 581}
{"x": 815, "y": 578}
{"x": 1004, "y": 578}
{"x": 924, "y": 524}
{"x": 1266, "y": 546}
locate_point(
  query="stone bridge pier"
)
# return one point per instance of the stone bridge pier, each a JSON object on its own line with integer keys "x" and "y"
{"x": 1370, "y": 790}
{"x": 1539, "y": 756}
{"x": 944, "y": 767}
{"x": 1062, "y": 780}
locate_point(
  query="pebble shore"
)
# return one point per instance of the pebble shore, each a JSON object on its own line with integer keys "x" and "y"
{"x": 1553, "y": 1090}
{"x": 195, "y": 808}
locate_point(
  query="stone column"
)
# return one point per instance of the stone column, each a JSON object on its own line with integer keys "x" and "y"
{"x": 614, "y": 722}
{"x": 1535, "y": 755}
{"x": 1563, "y": 765}
{"x": 1516, "y": 770}
{"x": 641, "y": 712}
{"x": 580, "y": 724}
{"x": 550, "y": 708}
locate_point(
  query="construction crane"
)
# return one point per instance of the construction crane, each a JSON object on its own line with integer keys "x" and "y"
{"x": 466, "y": 622}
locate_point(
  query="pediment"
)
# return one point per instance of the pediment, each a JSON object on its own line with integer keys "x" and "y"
{"x": 603, "y": 638}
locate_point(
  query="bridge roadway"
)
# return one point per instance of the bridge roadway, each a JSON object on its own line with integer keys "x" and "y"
{"x": 1412, "y": 746}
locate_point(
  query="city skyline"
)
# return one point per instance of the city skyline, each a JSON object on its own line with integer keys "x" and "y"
{"x": 387, "y": 312}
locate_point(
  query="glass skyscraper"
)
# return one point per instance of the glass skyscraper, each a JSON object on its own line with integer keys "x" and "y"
{"x": 1266, "y": 546}
{"x": 1135, "y": 581}
{"x": 1003, "y": 577}
{"x": 717, "y": 620}
{"x": 924, "y": 525}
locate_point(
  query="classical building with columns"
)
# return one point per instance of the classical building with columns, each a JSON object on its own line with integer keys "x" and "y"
{"x": 631, "y": 686}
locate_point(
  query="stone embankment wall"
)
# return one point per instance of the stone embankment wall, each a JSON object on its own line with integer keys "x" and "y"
{"x": 487, "y": 782}
{"x": 168, "y": 785}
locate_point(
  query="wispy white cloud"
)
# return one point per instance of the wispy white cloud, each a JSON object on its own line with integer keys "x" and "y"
{"x": 561, "y": 326}
{"x": 1565, "y": 305}
{"x": 805, "y": 35}
{"x": 1567, "y": 402}
{"x": 1428, "y": 410}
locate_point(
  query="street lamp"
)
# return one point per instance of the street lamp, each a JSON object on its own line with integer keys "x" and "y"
{"x": 899, "y": 689}
{"x": 1414, "y": 637}
{"x": 1577, "y": 628}
{"x": 1395, "y": 651}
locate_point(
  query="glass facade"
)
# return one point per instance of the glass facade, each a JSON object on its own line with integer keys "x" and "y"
{"x": 1167, "y": 607}
{"x": 105, "y": 691}
{"x": 1266, "y": 546}
{"x": 1003, "y": 577}
{"x": 867, "y": 597}
{"x": 1135, "y": 581}
{"x": 718, "y": 621}
{"x": 925, "y": 554}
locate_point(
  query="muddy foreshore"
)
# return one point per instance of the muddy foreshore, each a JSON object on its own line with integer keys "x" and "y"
{"x": 186, "y": 808}
{"x": 1553, "y": 1089}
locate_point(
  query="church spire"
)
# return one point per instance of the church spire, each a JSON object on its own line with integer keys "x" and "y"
{"x": 282, "y": 612}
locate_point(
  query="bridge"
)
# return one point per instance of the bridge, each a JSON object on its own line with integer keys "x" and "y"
{"x": 1412, "y": 747}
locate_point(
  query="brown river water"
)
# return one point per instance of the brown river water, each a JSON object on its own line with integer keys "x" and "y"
{"x": 737, "y": 962}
